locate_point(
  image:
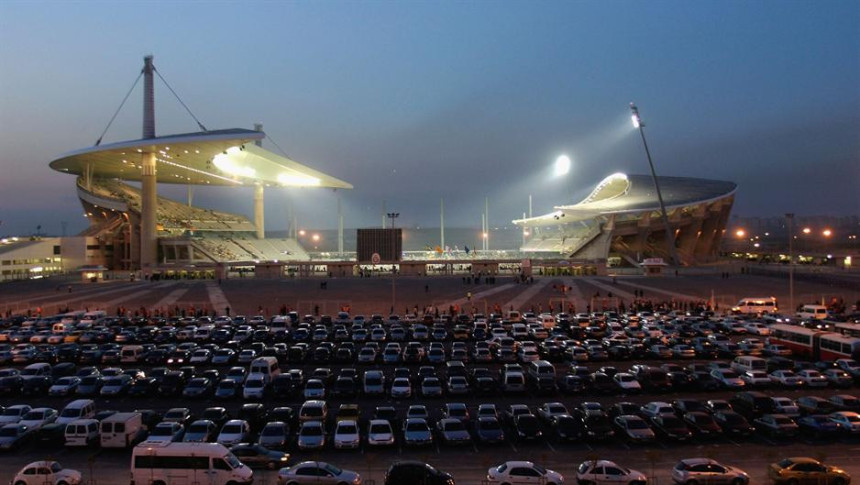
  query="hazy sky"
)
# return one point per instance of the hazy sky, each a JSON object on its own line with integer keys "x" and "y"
{"x": 413, "y": 102}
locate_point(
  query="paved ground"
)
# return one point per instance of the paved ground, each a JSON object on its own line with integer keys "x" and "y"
{"x": 380, "y": 295}
{"x": 404, "y": 293}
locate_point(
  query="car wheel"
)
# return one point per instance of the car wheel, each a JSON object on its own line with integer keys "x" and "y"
{"x": 738, "y": 481}
{"x": 62, "y": 483}
{"x": 270, "y": 465}
{"x": 692, "y": 482}
{"x": 839, "y": 481}
{"x": 505, "y": 483}
{"x": 793, "y": 481}
{"x": 20, "y": 483}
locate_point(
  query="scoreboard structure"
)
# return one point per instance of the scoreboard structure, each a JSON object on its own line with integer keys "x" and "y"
{"x": 387, "y": 243}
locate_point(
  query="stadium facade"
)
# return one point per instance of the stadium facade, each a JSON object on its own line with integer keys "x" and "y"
{"x": 620, "y": 220}
{"x": 132, "y": 228}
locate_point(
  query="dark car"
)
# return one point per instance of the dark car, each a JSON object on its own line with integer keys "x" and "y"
{"x": 282, "y": 386}
{"x": 526, "y": 427}
{"x": 36, "y": 386}
{"x": 597, "y": 427}
{"x": 702, "y": 424}
{"x": 489, "y": 430}
{"x": 733, "y": 424}
{"x": 566, "y": 428}
{"x": 260, "y": 456}
{"x": 671, "y": 427}
{"x": 751, "y": 404}
{"x": 172, "y": 383}
{"x": 198, "y": 387}
{"x": 217, "y": 415}
{"x": 254, "y": 414}
{"x": 819, "y": 426}
{"x": 417, "y": 473}
{"x": 143, "y": 387}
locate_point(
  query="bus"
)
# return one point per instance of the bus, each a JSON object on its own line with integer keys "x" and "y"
{"x": 187, "y": 464}
{"x": 815, "y": 344}
{"x": 849, "y": 329}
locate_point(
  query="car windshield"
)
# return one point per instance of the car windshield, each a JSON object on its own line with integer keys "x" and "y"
{"x": 198, "y": 428}
{"x": 162, "y": 431}
{"x": 540, "y": 469}
{"x": 311, "y": 431}
{"x": 273, "y": 431}
{"x": 454, "y": 425}
{"x": 333, "y": 469}
{"x": 231, "y": 460}
{"x": 380, "y": 428}
{"x": 416, "y": 426}
{"x": 232, "y": 429}
{"x": 636, "y": 424}
{"x": 491, "y": 424}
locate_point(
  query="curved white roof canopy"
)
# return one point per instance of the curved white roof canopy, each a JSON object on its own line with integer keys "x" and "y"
{"x": 621, "y": 194}
{"x": 221, "y": 157}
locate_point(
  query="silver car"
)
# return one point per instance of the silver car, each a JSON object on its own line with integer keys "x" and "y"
{"x": 311, "y": 436}
{"x": 317, "y": 472}
{"x": 705, "y": 470}
{"x": 416, "y": 432}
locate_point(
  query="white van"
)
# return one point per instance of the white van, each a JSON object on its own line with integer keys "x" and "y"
{"x": 745, "y": 363}
{"x": 82, "y": 432}
{"x": 541, "y": 369}
{"x": 513, "y": 382}
{"x": 122, "y": 430}
{"x": 278, "y": 324}
{"x": 187, "y": 464}
{"x": 130, "y": 354}
{"x": 77, "y": 409}
{"x": 756, "y": 305}
{"x": 63, "y": 327}
{"x": 267, "y": 366}
{"x": 812, "y": 312}
{"x": 547, "y": 320}
{"x": 90, "y": 318}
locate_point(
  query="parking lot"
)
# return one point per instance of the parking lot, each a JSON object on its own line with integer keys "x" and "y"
{"x": 299, "y": 354}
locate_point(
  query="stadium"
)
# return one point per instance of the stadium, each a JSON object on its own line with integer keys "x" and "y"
{"x": 133, "y": 229}
{"x": 620, "y": 221}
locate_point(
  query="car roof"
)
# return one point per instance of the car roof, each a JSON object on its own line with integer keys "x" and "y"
{"x": 698, "y": 461}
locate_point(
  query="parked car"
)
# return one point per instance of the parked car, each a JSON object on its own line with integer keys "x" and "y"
{"x": 707, "y": 471}
{"x": 46, "y": 473}
{"x": 806, "y": 471}
{"x": 605, "y": 472}
{"x": 317, "y": 473}
{"x": 523, "y": 472}
{"x": 255, "y": 455}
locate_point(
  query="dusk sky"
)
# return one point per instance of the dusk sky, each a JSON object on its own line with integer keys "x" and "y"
{"x": 413, "y": 102}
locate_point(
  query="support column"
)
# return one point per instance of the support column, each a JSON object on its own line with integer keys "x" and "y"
{"x": 258, "y": 211}
{"x": 442, "y": 224}
{"x": 148, "y": 211}
{"x": 339, "y": 225}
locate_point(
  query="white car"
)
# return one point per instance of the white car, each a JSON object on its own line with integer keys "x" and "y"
{"x": 38, "y": 417}
{"x": 813, "y": 378}
{"x": 346, "y": 435}
{"x": 46, "y": 473}
{"x": 523, "y": 472}
{"x": 234, "y": 432}
{"x": 379, "y": 433}
{"x": 849, "y": 420}
{"x": 401, "y": 388}
{"x": 601, "y": 472}
{"x": 627, "y": 382}
{"x": 728, "y": 378}
{"x": 786, "y": 406}
{"x": 314, "y": 389}
{"x": 786, "y": 378}
{"x": 255, "y": 386}
{"x": 13, "y": 414}
{"x": 655, "y": 408}
{"x": 755, "y": 378}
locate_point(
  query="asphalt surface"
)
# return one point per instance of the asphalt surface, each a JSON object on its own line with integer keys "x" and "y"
{"x": 468, "y": 464}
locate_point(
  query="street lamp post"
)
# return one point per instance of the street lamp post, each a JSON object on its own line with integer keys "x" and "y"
{"x": 637, "y": 123}
{"x": 790, "y": 218}
{"x": 393, "y": 216}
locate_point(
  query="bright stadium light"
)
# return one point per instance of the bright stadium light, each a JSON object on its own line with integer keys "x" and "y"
{"x": 562, "y": 165}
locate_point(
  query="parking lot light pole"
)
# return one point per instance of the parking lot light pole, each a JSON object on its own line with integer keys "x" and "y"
{"x": 790, "y": 219}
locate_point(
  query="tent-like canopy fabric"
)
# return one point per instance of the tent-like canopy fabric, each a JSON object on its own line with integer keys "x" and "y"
{"x": 222, "y": 157}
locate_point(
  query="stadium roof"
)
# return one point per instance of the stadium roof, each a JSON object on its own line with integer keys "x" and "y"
{"x": 620, "y": 194}
{"x": 220, "y": 157}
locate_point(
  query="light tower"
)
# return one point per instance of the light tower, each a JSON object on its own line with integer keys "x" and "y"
{"x": 148, "y": 172}
{"x": 670, "y": 232}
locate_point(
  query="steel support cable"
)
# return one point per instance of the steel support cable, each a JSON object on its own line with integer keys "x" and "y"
{"x": 99, "y": 141}
{"x": 179, "y": 99}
